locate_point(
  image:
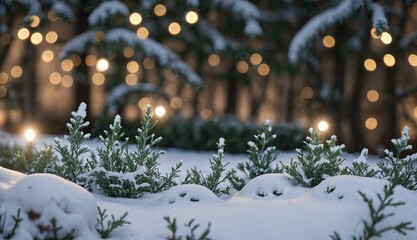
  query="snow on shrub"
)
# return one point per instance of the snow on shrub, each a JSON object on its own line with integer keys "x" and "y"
{"x": 398, "y": 169}
{"x": 269, "y": 186}
{"x": 261, "y": 156}
{"x": 319, "y": 160}
{"x": 188, "y": 193}
{"x": 49, "y": 206}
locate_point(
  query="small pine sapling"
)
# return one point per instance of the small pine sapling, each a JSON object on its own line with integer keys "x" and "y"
{"x": 71, "y": 166}
{"x": 173, "y": 228}
{"x": 400, "y": 171}
{"x": 104, "y": 227}
{"x": 36, "y": 161}
{"x": 56, "y": 234}
{"x": 377, "y": 212}
{"x": 152, "y": 180}
{"x": 318, "y": 161}
{"x": 7, "y": 232}
{"x": 214, "y": 179}
{"x": 261, "y": 156}
{"x": 115, "y": 172}
{"x": 360, "y": 166}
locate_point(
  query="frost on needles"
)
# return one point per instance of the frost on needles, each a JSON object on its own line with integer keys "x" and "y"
{"x": 121, "y": 173}
{"x": 319, "y": 160}
{"x": 215, "y": 178}
{"x": 261, "y": 157}
{"x": 71, "y": 166}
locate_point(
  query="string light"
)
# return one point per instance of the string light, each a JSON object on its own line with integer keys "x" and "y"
{"x": 142, "y": 33}
{"x": 328, "y": 41}
{"x": 255, "y": 59}
{"x": 176, "y": 103}
{"x": 389, "y": 60}
{"x": 23, "y": 33}
{"x": 29, "y": 134}
{"x": 386, "y": 38}
{"x": 263, "y": 69}
{"x": 374, "y": 34}
{"x": 191, "y": 17}
{"x": 132, "y": 67}
{"x": 67, "y": 65}
{"x": 51, "y": 37}
{"x": 67, "y": 81}
{"x": 323, "y": 126}
{"x": 34, "y": 21}
{"x": 371, "y": 123}
{"x": 128, "y": 52}
{"x": 36, "y": 38}
{"x": 160, "y": 10}
{"x": 99, "y": 36}
{"x": 206, "y": 114}
{"x": 143, "y": 103}
{"x": 307, "y": 93}
{"x": 174, "y": 28}
{"x": 148, "y": 63}
{"x": 213, "y": 60}
{"x": 370, "y": 65}
{"x": 372, "y": 95}
{"x": 91, "y": 60}
{"x": 242, "y": 67}
{"x": 47, "y": 56}
{"x": 76, "y": 60}
{"x": 135, "y": 18}
{"x": 412, "y": 59}
{"x": 4, "y": 78}
{"x": 102, "y": 65}
{"x": 55, "y": 78}
{"x": 52, "y": 16}
{"x": 131, "y": 79}
{"x": 16, "y": 71}
{"x": 160, "y": 111}
{"x": 3, "y": 91}
{"x": 98, "y": 79}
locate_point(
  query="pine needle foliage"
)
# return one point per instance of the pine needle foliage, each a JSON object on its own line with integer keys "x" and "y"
{"x": 191, "y": 225}
{"x": 152, "y": 180}
{"x": 105, "y": 227}
{"x": 213, "y": 180}
{"x": 360, "y": 166}
{"x": 72, "y": 166}
{"x": 115, "y": 171}
{"x": 400, "y": 170}
{"x": 8, "y": 232}
{"x": 377, "y": 212}
{"x": 261, "y": 156}
{"x": 319, "y": 160}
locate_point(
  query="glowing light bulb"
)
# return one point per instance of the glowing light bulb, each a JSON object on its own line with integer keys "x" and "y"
{"x": 29, "y": 134}
{"x": 160, "y": 111}
{"x": 174, "y": 28}
{"x": 135, "y": 18}
{"x": 323, "y": 126}
{"x": 102, "y": 65}
{"x": 191, "y": 17}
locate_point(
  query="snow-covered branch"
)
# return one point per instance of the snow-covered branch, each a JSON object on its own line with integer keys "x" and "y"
{"x": 318, "y": 23}
{"x": 117, "y": 96}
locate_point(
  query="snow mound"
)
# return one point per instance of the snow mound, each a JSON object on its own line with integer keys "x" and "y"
{"x": 188, "y": 193}
{"x": 269, "y": 186}
{"x": 46, "y": 196}
{"x": 347, "y": 188}
{"x": 8, "y": 178}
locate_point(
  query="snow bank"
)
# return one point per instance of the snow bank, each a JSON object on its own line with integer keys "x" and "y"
{"x": 188, "y": 193}
{"x": 43, "y": 199}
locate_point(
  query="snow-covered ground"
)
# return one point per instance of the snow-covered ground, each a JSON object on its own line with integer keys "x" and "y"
{"x": 268, "y": 207}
